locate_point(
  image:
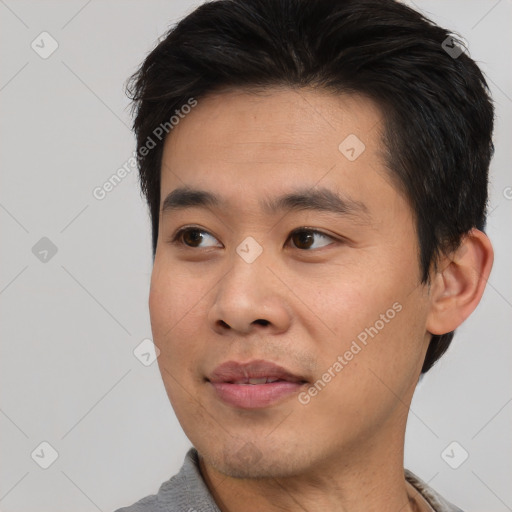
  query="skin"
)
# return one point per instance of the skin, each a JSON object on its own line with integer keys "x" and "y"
{"x": 204, "y": 300}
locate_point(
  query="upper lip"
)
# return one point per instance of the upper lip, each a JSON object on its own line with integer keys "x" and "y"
{"x": 235, "y": 372}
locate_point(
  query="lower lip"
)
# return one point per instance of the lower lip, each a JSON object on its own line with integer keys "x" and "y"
{"x": 255, "y": 396}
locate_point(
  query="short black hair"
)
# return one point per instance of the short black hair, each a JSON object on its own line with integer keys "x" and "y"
{"x": 436, "y": 103}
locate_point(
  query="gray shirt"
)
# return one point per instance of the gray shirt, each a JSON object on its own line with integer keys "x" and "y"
{"x": 187, "y": 492}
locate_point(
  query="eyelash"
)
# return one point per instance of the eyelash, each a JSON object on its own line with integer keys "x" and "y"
{"x": 176, "y": 239}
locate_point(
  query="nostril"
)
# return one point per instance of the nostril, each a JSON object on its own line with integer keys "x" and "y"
{"x": 261, "y": 322}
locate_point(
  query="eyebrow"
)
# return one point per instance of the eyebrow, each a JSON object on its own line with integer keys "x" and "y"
{"x": 318, "y": 199}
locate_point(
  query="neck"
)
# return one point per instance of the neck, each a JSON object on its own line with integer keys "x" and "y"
{"x": 368, "y": 478}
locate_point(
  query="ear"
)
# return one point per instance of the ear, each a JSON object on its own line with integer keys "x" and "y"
{"x": 459, "y": 282}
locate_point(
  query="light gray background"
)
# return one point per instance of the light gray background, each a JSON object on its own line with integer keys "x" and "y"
{"x": 69, "y": 326}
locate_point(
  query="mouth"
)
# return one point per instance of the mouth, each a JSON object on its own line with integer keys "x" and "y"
{"x": 254, "y": 385}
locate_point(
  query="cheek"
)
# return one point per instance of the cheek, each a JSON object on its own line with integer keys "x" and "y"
{"x": 360, "y": 383}
{"x": 376, "y": 322}
{"x": 174, "y": 300}
{"x": 345, "y": 304}
{"x": 178, "y": 303}
{"x": 172, "y": 322}
{"x": 384, "y": 349}
{"x": 168, "y": 316}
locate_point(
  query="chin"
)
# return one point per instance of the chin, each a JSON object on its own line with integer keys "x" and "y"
{"x": 245, "y": 459}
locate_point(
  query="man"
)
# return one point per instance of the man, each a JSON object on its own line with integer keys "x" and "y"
{"x": 316, "y": 173}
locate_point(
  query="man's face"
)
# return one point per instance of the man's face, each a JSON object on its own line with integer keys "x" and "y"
{"x": 333, "y": 298}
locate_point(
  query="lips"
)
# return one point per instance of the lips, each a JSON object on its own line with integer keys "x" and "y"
{"x": 254, "y": 385}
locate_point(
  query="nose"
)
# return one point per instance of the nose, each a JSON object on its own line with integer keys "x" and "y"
{"x": 249, "y": 298}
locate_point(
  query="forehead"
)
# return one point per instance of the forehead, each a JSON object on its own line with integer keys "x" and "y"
{"x": 285, "y": 120}
{"x": 250, "y": 144}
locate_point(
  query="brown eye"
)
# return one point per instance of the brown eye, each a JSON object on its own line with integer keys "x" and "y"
{"x": 305, "y": 238}
{"x": 191, "y": 237}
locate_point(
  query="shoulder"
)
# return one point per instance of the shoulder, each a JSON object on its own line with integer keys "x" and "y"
{"x": 433, "y": 498}
{"x": 166, "y": 500}
{"x": 184, "y": 492}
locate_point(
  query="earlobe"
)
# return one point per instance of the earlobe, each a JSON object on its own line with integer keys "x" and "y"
{"x": 459, "y": 283}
